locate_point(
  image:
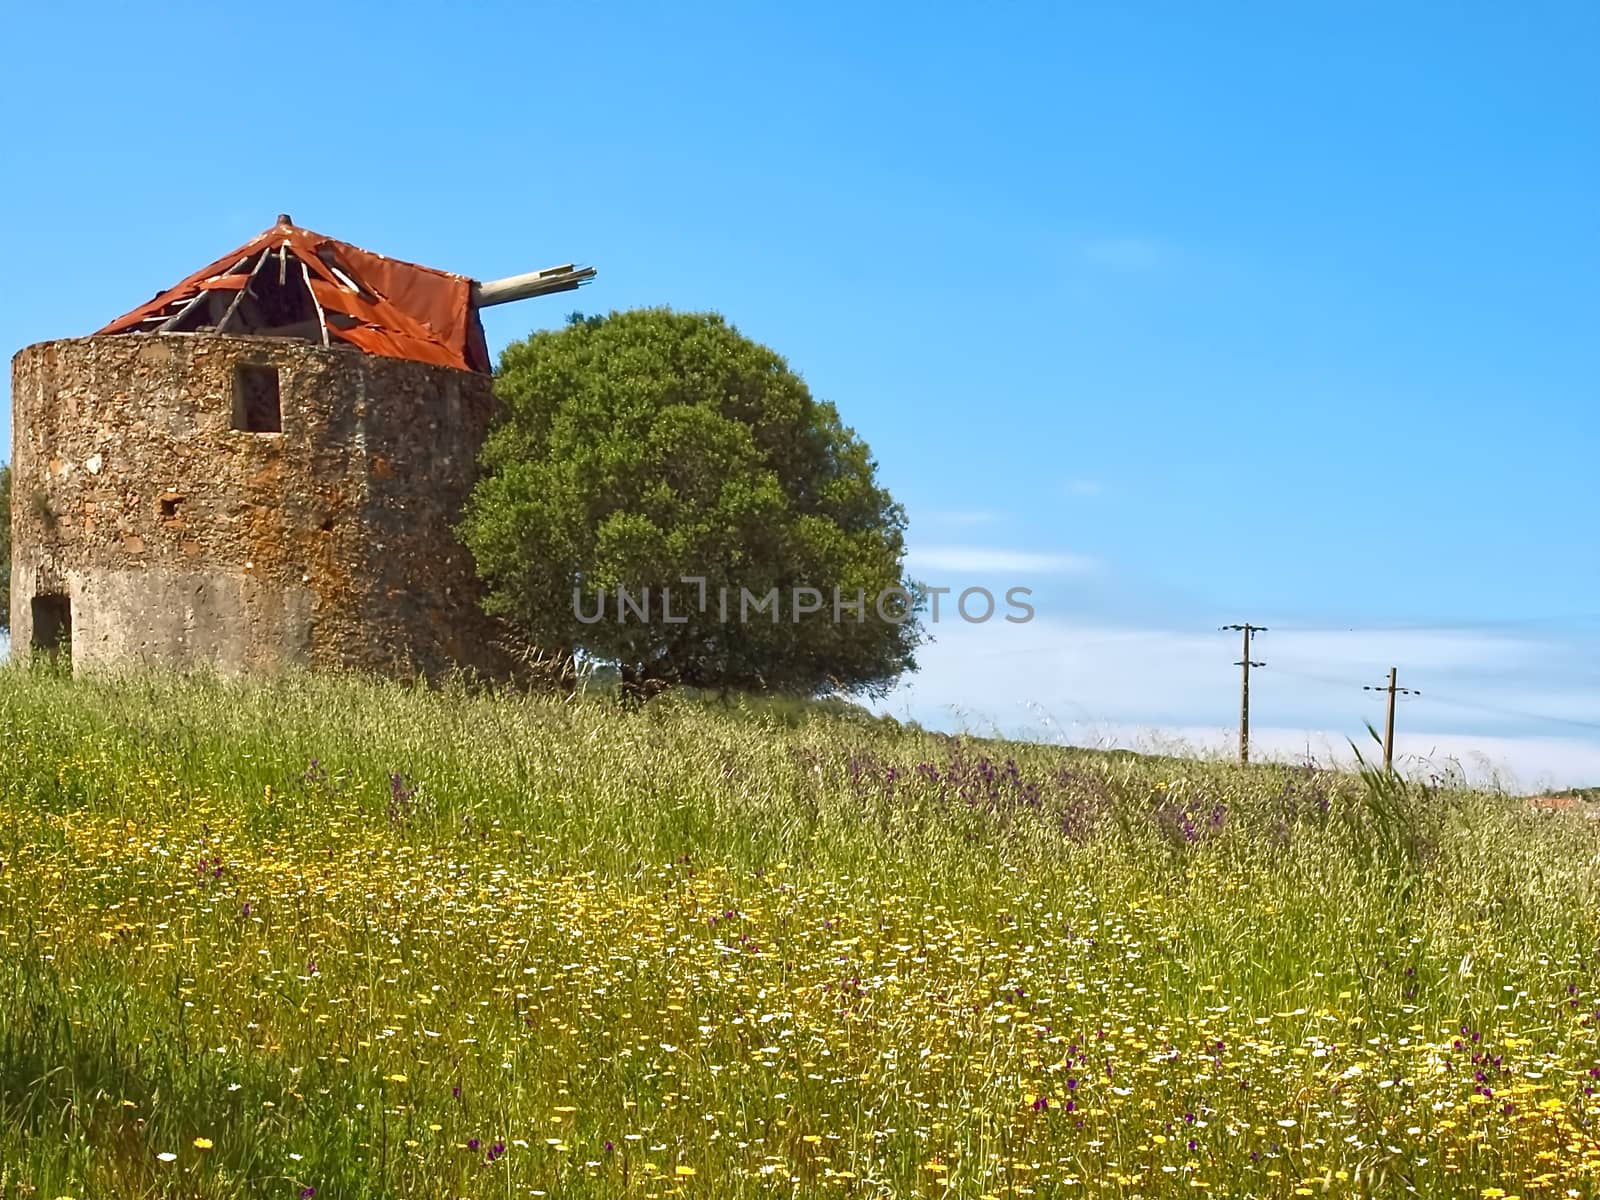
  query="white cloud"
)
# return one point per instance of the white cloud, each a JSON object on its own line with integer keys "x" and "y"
{"x": 1083, "y": 487}
{"x": 1377, "y": 649}
{"x": 993, "y": 559}
{"x": 961, "y": 519}
{"x": 1124, "y": 253}
{"x": 1083, "y": 683}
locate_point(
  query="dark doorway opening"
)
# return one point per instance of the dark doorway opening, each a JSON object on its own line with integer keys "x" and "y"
{"x": 52, "y": 625}
{"x": 256, "y": 407}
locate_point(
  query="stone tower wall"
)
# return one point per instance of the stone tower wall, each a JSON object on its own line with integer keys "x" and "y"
{"x": 179, "y": 539}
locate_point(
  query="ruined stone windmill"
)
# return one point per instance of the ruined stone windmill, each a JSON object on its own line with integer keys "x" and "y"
{"x": 262, "y": 467}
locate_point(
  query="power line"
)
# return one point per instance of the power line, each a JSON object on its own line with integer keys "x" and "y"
{"x": 1279, "y": 669}
{"x": 1411, "y": 693}
{"x": 1515, "y": 712}
{"x": 1402, "y": 695}
{"x": 1245, "y": 663}
{"x": 1334, "y": 625}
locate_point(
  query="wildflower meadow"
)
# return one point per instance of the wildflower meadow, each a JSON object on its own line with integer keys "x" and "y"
{"x": 337, "y": 938}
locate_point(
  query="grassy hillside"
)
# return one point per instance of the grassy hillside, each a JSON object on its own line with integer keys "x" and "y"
{"x": 341, "y": 939}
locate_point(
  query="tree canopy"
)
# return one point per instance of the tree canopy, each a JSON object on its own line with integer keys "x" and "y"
{"x": 639, "y": 449}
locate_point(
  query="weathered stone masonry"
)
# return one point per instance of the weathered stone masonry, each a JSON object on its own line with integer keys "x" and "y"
{"x": 163, "y": 534}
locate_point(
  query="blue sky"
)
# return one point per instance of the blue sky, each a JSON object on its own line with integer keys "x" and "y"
{"x": 1179, "y": 314}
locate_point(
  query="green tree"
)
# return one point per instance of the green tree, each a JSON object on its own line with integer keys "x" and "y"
{"x": 5, "y": 546}
{"x": 641, "y": 448}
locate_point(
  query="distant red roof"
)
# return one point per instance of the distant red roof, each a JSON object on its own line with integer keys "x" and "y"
{"x": 302, "y": 284}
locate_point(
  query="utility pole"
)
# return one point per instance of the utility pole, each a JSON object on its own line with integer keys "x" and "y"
{"x": 1388, "y": 724}
{"x": 1244, "y": 687}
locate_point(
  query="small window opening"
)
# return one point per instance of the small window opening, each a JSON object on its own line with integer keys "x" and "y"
{"x": 170, "y": 506}
{"x": 255, "y": 399}
{"x": 52, "y": 624}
